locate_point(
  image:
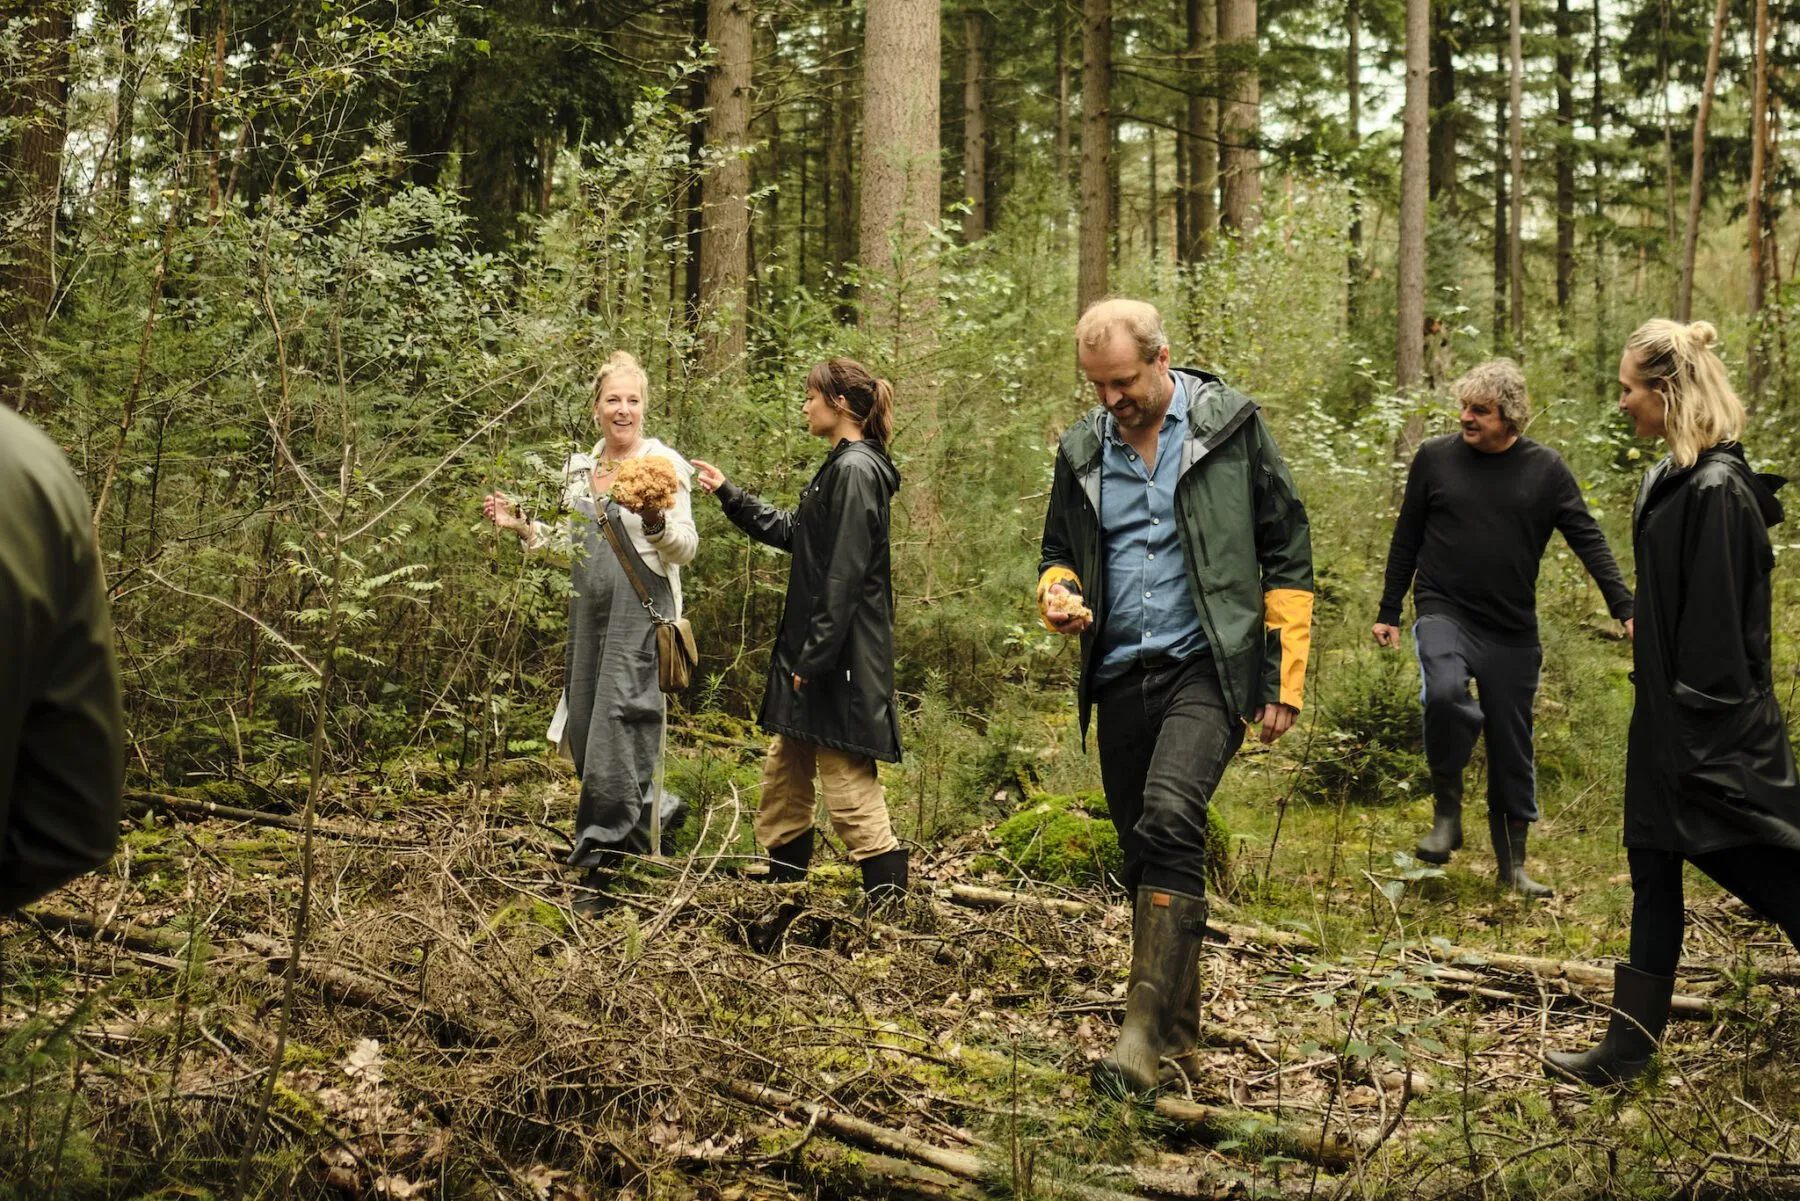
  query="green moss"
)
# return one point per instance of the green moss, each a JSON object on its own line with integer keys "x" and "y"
{"x": 1059, "y": 840}
{"x": 1071, "y": 840}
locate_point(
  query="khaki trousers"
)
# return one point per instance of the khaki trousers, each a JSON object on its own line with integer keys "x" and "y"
{"x": 852, "y": 790}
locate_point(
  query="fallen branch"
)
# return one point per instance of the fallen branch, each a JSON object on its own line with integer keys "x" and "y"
{"x": 959, "y": 1164}
{"x": 977, "y": 897}
{"x": 1302, "y": 1142}
{"x": 192, "y": 807}
{"x": 342, "y": 984}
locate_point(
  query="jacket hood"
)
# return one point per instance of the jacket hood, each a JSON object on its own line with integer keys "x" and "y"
{"x": 872, "y": 453}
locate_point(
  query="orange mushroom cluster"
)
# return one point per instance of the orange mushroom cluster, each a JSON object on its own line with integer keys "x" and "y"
{"x": 646, "y": 484}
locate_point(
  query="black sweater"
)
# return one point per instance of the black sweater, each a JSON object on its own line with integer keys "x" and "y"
{"x": 1474, "y": 526}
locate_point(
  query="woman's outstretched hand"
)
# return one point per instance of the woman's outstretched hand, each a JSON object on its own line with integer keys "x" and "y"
{"x": 709, "y": 477}
{"x": 503, "y": 513}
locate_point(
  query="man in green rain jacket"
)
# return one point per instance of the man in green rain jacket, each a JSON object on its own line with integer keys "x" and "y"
{"x": 62, "y": 733}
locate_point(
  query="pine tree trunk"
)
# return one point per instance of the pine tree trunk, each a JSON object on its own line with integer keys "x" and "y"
{"x": 1203, "y": 115}
{"x": 1684, "y": 291}
{"x": 692, "y": 189}
{"x": 725, "y": 192}
{"x": 1502, "y": 257}
{"x": 1516, "y": 130}
{"x": 1062, "y": 118}
{"x": 1353, "y": 84}
{"x": 1155, "y": 206}
{"x": 1096, "y": 152}
{"x": 1196, "y": 148}
{"x": 1668, "y": 125}
{"x": 839, "y": 201}
{"x": 1759, "y": 149}
{"x": 124, "y": 15}
{"x": 30, "y": 187}
{"x": 901, "y": 172}
{"x": 1565, "y": 163}
{"x": 1444, "y": 118}
{"x": 1409, "y": 368}
{"x": 974, "y": 126}
{"x": 1184, "y": 198}
{"x": 1603, "y": 348}
{"x": 1239, "y": 117}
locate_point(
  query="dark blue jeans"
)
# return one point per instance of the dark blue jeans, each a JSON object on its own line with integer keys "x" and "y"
{"x": 1165, "y": 737}
{"x": 1506, "y": 677}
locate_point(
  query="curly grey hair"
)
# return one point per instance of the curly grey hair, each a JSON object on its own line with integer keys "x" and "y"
{"x": 1500, "y": 383}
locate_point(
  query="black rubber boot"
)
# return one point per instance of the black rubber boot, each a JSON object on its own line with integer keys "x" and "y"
{"x": 884, "y": 876}
{"x": 787, "y": 862}
{"x": 592, "y": 897}
{"x": 1640, "y": 1011}
{"x": 1446, "y": 822}
{"x": 1509, "y": 835}
{"x": 1165, "y": 960}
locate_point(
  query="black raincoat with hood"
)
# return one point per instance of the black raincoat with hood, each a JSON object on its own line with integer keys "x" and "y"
{"x": 1709, "y": 765}
{"x": 837, "y": 625}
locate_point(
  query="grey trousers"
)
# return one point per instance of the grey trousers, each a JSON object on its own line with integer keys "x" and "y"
{"x": 1451, "y": 656}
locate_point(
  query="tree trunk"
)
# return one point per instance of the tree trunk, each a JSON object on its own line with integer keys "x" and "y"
{"x": 1353, "y": 84}
{"x": 1565, "y": 163}
{"x": 1515, "y": 237}
{"x": 1444, "y": 114}
{"x": 1502, "y": 257}
{"x": 1241, "y": 162}
{"x": 1409, "y": 368}
{"x": 1203, "y": 113}
{"x": 1759, "y": 149}
{"x": 1197, "y": 145}
{"x": 1062, "y": 118}
{"x": 124, "y": 14}
{"x": 974, "y": 126}
{"x": 725, "y": 192}
{"x": 1668, "y": 125}
{"x": 1603, "y": 348}
{"x": 901, "y": 173}
{"x": 37, "y": 100}
{"x": 1096, "y": 151}
{"x": 691, "y": 188}
{"x": 1155, "y": 205}
{"x": 1684, "y": 291}
{"x": 1184, "y": 198}
{"x": 839, "y": 201}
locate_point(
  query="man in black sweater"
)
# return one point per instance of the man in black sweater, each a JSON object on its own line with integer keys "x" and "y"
{"x": 1480, "y": 507}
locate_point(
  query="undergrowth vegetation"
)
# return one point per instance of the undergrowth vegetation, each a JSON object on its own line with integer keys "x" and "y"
{"x": 292, "y": 530}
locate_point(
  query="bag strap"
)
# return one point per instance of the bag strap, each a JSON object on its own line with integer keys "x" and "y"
{"x": 626, "y": 561}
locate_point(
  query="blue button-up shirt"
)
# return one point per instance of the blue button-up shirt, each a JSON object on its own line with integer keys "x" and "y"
{"x": 1149, "y": 607}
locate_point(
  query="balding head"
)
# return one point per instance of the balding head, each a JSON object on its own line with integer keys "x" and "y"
{"x": 1106, "y": 319}
{"x": 1124, "y": 355}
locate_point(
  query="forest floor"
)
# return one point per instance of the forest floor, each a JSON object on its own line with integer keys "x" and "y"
{"x": 455, "y": 1030}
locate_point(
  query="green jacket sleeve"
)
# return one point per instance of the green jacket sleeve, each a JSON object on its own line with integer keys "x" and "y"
{"x": 1284, "y": 552}
{"x": 61, "y": 727}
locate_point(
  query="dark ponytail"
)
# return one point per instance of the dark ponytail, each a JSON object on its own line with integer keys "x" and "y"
{"x": 847, "y": 383}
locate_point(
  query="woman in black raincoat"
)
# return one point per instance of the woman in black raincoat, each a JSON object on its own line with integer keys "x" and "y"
{"x": 1709, "y": 772}
{"x": 830, "y": 695}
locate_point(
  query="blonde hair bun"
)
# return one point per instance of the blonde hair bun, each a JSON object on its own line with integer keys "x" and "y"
{"x": 624, "y": 360}
{"x": 1702, "y": 335}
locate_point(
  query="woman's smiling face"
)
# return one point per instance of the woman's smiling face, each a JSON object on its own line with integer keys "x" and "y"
{"x": 619, "y": 410}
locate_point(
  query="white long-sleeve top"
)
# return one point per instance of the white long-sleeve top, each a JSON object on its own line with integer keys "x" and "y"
{"x": 666, "y": 552}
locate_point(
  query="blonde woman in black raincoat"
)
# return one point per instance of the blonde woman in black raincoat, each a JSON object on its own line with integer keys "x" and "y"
{"x": 829, "y": 701}
{"x": 1709, "y": 773}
